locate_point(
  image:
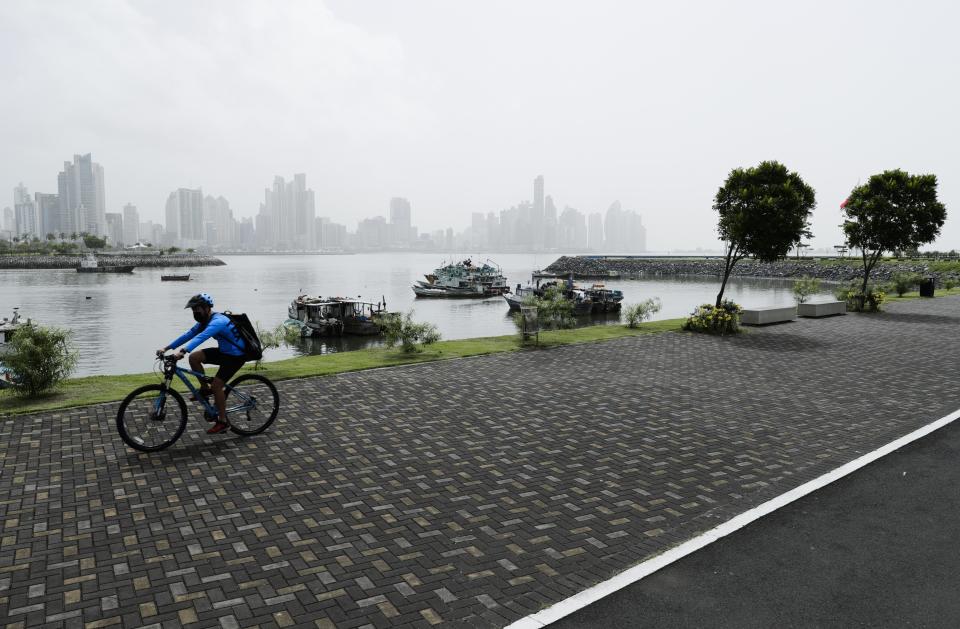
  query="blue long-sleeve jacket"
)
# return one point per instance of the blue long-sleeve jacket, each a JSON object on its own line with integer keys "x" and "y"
{"x": 220, "y": 328}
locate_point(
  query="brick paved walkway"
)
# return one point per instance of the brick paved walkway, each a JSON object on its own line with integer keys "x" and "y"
{"x": 468, "y": 492}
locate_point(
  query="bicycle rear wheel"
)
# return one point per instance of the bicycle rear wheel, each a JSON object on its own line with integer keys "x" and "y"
{"x": 252, "y": 404}
{"x": 151, "y": 418}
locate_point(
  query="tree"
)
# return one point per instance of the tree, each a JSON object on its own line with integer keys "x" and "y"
{"x": 40, "y": 359}
{"x": 763, "y": 212}
{"x": 50, "y": 236}
{"x": 94, "y": 242}
{"x": 893, "y": 210}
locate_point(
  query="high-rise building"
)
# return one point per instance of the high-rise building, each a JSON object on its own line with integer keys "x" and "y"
{"x": 9, "y": 222}
{"x": 572, "y": 232}
{"x": 48, "y": 211}
{"x": 624, "y": 230}
{"x": 26, "y": 222}
{"x": 82, "y": 198}
{"x": 114, "y": 232}
{"x": 288, "y": 215}
{"x": 549, "y": 224}
{"x": 131, "y": 225}
{"x": 223, "y": 229}
{"x": 372, "y": 233}
{"x": 537, "y": 215}
{"x": 184, "y": 213}
{"x": 595, "y": 232}
{"x": 401, "y": 233}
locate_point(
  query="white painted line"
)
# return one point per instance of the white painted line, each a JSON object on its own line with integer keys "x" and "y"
{"x": 632, "y": 575}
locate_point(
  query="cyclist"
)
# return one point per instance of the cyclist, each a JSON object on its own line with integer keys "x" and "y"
{"x": 229, "y": 355}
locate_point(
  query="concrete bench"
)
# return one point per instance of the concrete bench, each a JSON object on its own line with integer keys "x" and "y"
{"x": 822, "y": 308}
{"x": 763, "y": 316}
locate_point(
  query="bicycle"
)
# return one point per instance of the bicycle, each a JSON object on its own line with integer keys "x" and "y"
{"x": 148, "y": 422}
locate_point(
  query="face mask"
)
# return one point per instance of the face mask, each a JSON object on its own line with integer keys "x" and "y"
{"x": 198, "y": 317}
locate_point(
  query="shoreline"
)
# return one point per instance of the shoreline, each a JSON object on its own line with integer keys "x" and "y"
{"x": 72, "y": 261}
{"x": 590, "y": 267}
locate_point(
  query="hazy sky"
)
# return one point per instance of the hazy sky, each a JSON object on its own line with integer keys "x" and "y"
{"x": 459, "y": 105}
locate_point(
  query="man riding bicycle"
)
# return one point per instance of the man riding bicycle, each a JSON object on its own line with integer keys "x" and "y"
{"x": 229, "y": 354}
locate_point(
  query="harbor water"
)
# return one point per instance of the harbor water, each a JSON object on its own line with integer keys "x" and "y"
{"x": 119, "y": 320}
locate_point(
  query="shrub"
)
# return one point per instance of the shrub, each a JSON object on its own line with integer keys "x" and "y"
{"x": 41, "y": 358}
{"x": 554, "y": 310}
{"x": 722, "y": 319}
{"x": 949, "y": 283}
{"x": 409, "y": 334}
{"x": 635, "y": 314}
{"x": 804, "y": 287}
{"x": 857, "y": 301}
{"x": 902, "y": 283}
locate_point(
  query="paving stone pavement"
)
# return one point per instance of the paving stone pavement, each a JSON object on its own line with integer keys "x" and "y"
{"x": 464, "y": 493}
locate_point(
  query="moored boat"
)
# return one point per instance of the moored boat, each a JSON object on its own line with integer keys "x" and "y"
{"x": 318, "y": 316}
{"x": 593, "y": 300}
{"x": 90, "y": 264}
{"x": 175, "y": 278}
{"x": 463, "y": 279}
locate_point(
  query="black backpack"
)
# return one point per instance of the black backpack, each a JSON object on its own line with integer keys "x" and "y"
{"x": 252, "y": 347}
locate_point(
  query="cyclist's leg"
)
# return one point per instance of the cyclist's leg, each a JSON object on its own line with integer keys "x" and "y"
{"x": 229, "y": 366}
{"x": 197, "y": 358}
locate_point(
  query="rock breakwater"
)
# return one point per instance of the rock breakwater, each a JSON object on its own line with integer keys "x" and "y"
{"x": 830, "y": 271}
{"x": 138, "y": 260}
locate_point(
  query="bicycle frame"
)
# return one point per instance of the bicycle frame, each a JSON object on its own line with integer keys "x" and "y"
{"x": 171, "y": 369}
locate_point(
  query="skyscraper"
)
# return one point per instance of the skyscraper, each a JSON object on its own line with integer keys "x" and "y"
{"x": 82, "y": 199}
{"x": 288, "y": 214}
{"x": 48, "y": 211}
{"x": 184, "y": 213}
{"x": 114, "y": 232}
{"x": 536, "y": 219}
{"x": 595, "y": 232}
{"x": 400, "y": 230}
{"x": 24, "y": 212}
{"x": 131, "y": 225}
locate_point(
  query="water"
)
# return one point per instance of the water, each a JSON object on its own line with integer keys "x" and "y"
{"x": 119, "y": 320}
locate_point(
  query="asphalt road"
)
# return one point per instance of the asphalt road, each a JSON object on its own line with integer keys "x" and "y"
{"x": 878, "y": 548}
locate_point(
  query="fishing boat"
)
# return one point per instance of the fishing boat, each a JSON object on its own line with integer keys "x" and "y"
{"x": 586, "y": 300}
{"x": 90, "y": 264}
{"x": 333, "y": 316}
{"x": 175, "y": 278}
{"x": 463, "y": 279}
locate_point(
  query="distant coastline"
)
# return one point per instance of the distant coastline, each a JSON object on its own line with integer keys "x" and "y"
{"x": 831, "y": 270}
{"x": 152, "y": 260}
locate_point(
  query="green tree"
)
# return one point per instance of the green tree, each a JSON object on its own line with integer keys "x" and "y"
{"x": 40, "y": 358}
{"x": 763, "y": 212}
{"x": 50, "y": 236}
{"x": 804, "y": 287}
{"x": 94, "y": 242}
{"x": 402, "y": 329}
{"x": 893, "y": 210}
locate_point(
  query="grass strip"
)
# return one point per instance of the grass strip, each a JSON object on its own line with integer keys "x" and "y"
{"x": 98, "y": 389}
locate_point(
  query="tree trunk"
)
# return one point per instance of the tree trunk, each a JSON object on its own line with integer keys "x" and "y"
{"x": 727, "y": 268}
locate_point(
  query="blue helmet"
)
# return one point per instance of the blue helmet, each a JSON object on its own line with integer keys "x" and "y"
{"x": 203, "y": 299}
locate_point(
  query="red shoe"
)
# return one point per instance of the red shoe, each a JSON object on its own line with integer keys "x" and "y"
{"x": 217, "y": 428}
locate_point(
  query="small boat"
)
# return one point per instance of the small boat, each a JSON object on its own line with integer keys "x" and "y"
{"x": 175, "y": 278}
{"x": 593, "y": 300}
{"x": 463, "y": 280}
{"x": 334, "y": 316}
{"x": 90, "y": 264}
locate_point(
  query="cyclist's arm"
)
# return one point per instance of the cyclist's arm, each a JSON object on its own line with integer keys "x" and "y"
{"x": 186, "y": 336}
{"x": 214, "y": 327}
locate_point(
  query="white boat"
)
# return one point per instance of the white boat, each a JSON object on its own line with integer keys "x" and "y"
{"x": 463, "y": 280}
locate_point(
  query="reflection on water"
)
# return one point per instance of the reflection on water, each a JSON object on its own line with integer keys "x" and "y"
{"x": 118, "y": 320}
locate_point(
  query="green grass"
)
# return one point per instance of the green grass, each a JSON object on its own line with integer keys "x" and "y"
{"x": 97, "y": 389}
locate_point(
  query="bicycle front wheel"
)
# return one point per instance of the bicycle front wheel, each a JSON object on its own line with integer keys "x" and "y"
{"x": 151, "y": 418}
{"x": 252, "y": 404}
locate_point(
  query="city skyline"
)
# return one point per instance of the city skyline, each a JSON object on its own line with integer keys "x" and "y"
{"x": 653, "y": 105}
{"x": 287, "y": 221}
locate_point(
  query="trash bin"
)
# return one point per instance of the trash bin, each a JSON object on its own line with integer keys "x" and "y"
{"x": 926, "y": 286}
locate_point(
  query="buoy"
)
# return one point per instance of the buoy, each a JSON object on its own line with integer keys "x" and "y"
{"x": 89, "y": 297}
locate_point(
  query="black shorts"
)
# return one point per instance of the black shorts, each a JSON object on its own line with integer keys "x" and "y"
{"x": 229, "y": 364}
